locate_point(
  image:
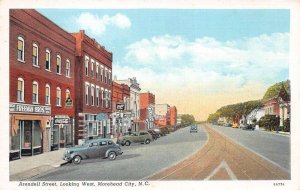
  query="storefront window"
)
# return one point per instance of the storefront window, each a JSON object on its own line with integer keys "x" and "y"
{"x": 27, "y": 135}
{"x": 15, "y": 139}
{"x": 37, "y": 134}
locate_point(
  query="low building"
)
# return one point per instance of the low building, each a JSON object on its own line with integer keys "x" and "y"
{"x": 147, "y": 110}
{"x": 162, "y": 115}
{"x": 173, "y": 116}
{"x": 255, "y": 114}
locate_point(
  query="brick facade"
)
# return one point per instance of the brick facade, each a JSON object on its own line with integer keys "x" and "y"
{"x": 147, "y": 102}
{"x": 173, "y": 115}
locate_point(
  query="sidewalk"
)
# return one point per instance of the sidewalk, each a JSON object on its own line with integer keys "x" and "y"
{"x": 29, "y": 166}
{"x": 276, "y": 133}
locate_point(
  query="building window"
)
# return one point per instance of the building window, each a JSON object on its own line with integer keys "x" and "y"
{"x": 20, "y": 49}
{"x": 47, "y": 67}
{"x": 68, "y": 68}
{"x": 67, "y": 93}
{"x": 58, "y": 64}
{"x": 58, "y": 96}
{"x": 92, "y": 125}
{"x": 109, "y": 99}
{"x": 106, "y": 99}
{"x": 105, "y": 76}
{"x": 87, "y": 94}
{"x": 102, "y": 98}
{"x": 97, "y": 96}
{"x": 20, "y": 93}
{"x": 86, "y": 66}
{"x": 109, "y": 77}
{"x": 92, "y": 94}
{"x": 35, "y": 92}
{"x": 97, "y": 70}
{"x": 92, "y": 68}
{"x": 47, "y": 95}
{"x": 35, "y": 55}
{"x": 101, "y": 73}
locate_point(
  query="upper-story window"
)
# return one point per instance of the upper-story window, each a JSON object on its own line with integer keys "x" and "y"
{"x": 47, "y": 63}
{"x": 58, "y": 64}
{"x": 47, "y": 95}
{"x": 97, "y": 70}
{"x": 68, "y": 68}
{"x": 109, "y": 99}
{"x": 92, "y": 94}
{"x": 20, "y": 92}
{"x": 87, "y": 94}
{"x": 86, "y": 66}
{"x": 68, "y": 94}
{"x": 101, "y": 73}
{"x": 20, "y": 53}
{"x": 35, "y": 55}
{"x": 97, "y": 96}
{"x": 58, "y": 96}
{"x": 102, "y": 98}
{"x": 92, "y": 68}
{"x": 109, "y": 77}
{"x": 35, "y": 92}
{"x": 106, "y": 99}
{"x": 105, "y": 76}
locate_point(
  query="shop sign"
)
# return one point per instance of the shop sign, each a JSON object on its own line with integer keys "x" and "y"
{"x": 128, "y": 114}
{"x": 62, "y": 121}
{"x": 29, "y": 109}
{"x": 120, "y": 106}
{"x": 69, "y": 102}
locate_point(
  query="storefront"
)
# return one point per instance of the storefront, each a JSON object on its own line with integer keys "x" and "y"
{"x": 62, "y": 135}
{"x": 29, "y": 130}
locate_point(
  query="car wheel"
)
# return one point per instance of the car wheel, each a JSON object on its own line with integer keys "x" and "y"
{"x": 112, "y": 155}
{"x": 147, "y": 141}
{"x": 77, "y": 159}
{"x": 127, "y": 143}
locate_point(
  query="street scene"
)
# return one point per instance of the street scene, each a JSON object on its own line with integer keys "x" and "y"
{"x": 148, "y": 95}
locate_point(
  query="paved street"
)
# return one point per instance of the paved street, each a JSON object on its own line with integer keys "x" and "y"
{"x": 137, "y": 162}
{"x": 222, "y": 159}
{"x": 271, "y": 146}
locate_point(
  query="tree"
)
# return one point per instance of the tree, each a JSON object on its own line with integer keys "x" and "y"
{"x": 274, "y": 89}
{"x": 187, "y": 119}
{"x": 269, "y": 122}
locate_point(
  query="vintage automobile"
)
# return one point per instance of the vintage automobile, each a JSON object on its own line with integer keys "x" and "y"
{"x": 194, "y": 129}
{"x": 101, "y": 147}
{"x": 154, "y": 135}
{"x": 136, "y": 137}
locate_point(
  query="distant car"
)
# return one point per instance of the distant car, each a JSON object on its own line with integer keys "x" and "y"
{"x": 136, "y": 137}
{"x": 165, "y": 130}
{"x": 228, "y": 125}
{"x": 248, "y": 127}
{"x": 103, "y": 148}
{"x": 159, "y": 131}
{"x": 153, "y": 134}
{"x": 194, "y": 129}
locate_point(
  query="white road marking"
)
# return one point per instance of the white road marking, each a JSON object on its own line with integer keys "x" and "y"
{"x": 224, "y": 165}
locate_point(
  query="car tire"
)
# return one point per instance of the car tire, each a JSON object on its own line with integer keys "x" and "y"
{"x": 127, "y": 143}
{"x": 112, "y": 155}
{"x": 147, "y": 141}
{"x": 77, "y": 159}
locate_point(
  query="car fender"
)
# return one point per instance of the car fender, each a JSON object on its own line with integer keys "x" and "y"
{"x": 111, "y": 150}
{"x": 83, "y": 156}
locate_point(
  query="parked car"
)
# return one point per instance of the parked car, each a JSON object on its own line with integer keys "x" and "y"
{"x": 235, "y": 125}
{"x": 158, "y": 131}
{"x": 154, "y": 135}
{"x": 136, "y": 137}
{"x": 101, "y": 147}
{"x": 171, "y": 128}
{"x": 194, "y": 129}
{"x": 228, "y": 125}
{"x": 165, "y": 130}
{"x": 248, "y": 127}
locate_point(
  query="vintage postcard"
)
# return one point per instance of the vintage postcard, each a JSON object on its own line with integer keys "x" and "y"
{"x": 150, "y": 95}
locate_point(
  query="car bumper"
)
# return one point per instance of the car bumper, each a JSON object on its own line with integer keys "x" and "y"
{"x": 67, "y": 158}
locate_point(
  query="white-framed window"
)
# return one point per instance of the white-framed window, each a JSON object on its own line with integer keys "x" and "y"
{"x": 35, "y": 92}
{"x": 58, "y": 96}
{"x": 47, "y": 62}
{"x": 92, "y": 125}
{"x": 105, "y": 76}
{"x": 102, "y": 98}
{"x": 92, "y": 67}
{"x": 86, "y": 65}
{"x": 68, "y": 68}
{"x": 87, "y": 93}
{"x": 35, "y": 55}
{"x": 47, "y": 95}
{"x": 21, "y": 45}
{"x": 20, "y": 91}
{"x": 97, "y": 96}
{"x": 101, "y": 73}
{"x": 68, "y": 94}
{"x": 109, "y": 77}
{"x": 106, "y": 98}
{"x": 92, "y": 94}
{"x": 97, "y": 70}
{"x": 109, "y": 99}
{"x": 58, "y": 64}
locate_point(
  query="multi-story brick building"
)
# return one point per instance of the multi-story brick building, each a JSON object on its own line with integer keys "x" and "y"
{"x": 121, "y": 95}
{"x": 147, "y": 110}
{"x": 41, "y": 63}
{"x": 134, "y": 101}
{"x": 162, "y": 115}
{"x": 93, "y": 81}
{"x": 173, "y": 116}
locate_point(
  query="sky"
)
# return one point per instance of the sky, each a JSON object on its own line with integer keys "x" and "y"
{"x": 195, "y": 59}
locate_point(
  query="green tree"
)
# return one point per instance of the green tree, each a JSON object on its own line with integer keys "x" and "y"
{"x": 274, "y": 89}
{"x": 187, "y": 119}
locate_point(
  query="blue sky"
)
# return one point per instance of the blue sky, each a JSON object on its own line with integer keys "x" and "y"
{"x": 210, "y": 57}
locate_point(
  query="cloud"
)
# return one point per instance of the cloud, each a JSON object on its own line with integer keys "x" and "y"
{"x": 97, "y": 25}
{"x": 179, "y": 70}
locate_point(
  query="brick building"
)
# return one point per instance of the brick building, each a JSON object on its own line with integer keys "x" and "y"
{"x": 121, "y": 95}
{"x": 173, "y": 116}
{"x": 41, "y": 63}
{"x": 162, "y": 115}
{"x": 147, "y": 110}
{"x": 93, "y": 80}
